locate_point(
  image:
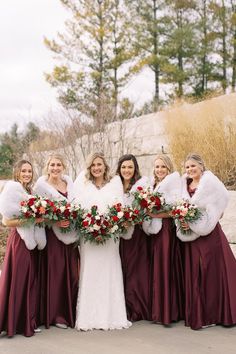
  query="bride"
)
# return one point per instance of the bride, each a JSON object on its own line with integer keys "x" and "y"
{"x": 101, "y": 302}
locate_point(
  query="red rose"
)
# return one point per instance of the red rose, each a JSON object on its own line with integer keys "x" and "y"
{"x": 115, "y": 218}
{"x": 31, "y": 201}
{"x": 136, "y": 211}
{"x": 144, "y": 203}
{"x": 126, "y": 215}
{"x": 66, "y": 213}
{"x": 139, "y": 188}
{"x": 85, "y": 223}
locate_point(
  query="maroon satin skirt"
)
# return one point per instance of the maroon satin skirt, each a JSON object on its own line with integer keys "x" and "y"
{"x": 18, "y": 288}
{"x": 166, "y": 279}
{"x": 59, "y": 277}
{"x": 210, "y": 281}
{"x": 135, "y": 259}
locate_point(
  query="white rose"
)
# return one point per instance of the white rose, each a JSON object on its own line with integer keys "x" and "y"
{"x": 62, "y": 208}
{"x": 120, "y": 214}
{"x": 114, "y": 229}
{"x": 44, "y": 203}
{"x": 96, "y": 227}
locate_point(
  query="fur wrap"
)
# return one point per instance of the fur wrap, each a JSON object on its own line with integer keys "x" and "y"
{"x": 170, "y": 187}
{"x": 211, "y": 197}
{"x": 87, "y": 194}
{"x": 44, "y": 189}
{"x": 12, "y": 194}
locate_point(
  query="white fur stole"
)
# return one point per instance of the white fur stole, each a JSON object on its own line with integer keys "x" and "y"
{"x": 212, "y": 198}
{"x": 44, "y": 189}
{"x": 11, "y": 196}
{"x": 170, "y": 187}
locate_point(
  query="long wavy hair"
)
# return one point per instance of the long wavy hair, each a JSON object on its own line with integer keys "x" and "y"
{"x": 137, "y": 174}
{"x": 89, "y": 163}
{"x": 17, "y": 170}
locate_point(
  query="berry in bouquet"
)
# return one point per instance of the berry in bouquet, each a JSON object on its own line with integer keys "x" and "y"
{"x": 148, "y": 201}
{"x": 185, "y": 212}
{"x": 97, "y": 228}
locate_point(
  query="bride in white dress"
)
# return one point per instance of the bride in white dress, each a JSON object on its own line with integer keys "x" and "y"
{"x": 101, "y": 302}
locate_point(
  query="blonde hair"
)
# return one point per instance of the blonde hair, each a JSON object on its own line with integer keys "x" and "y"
{"x": 197, "y": 158}
{"x": 16, "y": 173}
{"x": 54, "y": 156}
{"x": 168, "y": 163}
{"x": 89, "y": 163}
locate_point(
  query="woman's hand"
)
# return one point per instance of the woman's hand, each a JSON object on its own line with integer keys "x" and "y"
{"x": 63, "y": 223}
{"x": 39, "y": 220}
{"x": 126, "y": 224}
{"x": 184, "y": 225}
{"x": 161, "y": 215}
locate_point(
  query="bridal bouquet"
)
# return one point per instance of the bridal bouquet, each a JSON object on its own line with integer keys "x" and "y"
{"x": 185, "y": 212}
{"x": 96, "y": 228}
{"x": 146, "y": 200}
{"x": 36, "y": 207}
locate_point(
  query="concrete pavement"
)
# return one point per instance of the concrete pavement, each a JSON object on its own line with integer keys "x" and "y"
{"x": 142, "y": 338}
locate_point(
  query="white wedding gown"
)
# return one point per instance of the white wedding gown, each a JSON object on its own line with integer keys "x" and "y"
{"x": 101, "y": 302}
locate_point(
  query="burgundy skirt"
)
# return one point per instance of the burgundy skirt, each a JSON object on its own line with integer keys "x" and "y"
{"x": 210, "y": 281}
{"x": 59, "y": 277}
{"x": 166, "y": 280}
{"x": 135, "y": 259}
{"x": 18, "y": 288}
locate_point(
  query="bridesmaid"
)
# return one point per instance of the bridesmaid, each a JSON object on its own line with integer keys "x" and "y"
{"x": 59, "y": 260}
{"x": 166, "y": 284}
{"x": 210, "y": 266}
{"x": 19, "y": 277}
{"x": 135, "y": 252}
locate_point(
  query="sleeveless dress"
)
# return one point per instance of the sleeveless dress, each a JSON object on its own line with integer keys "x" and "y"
{"x": 210, "y": 280}
{"x": 19, "y": 292}
{"x": 59, "y": 275}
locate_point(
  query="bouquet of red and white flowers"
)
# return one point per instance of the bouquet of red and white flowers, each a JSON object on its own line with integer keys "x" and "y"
{"x": 146, "y": 201}
{"x": 96, "y": 227}
{"x": 36, "y": 207}
{"x": 184, "y": 212}
{"x": 121, "y": 217}
{"x": 51, "y": 211}
{"x": 63, "y": 210}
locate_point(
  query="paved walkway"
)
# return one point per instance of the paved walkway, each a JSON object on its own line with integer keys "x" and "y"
{"x": 142, "y": 338}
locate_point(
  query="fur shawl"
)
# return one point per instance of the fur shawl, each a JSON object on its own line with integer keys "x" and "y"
{"x": 170, "y": 187}
{"x": 211, "y": 197}
{"x": 12, "y": 194}
{"x": 44, "y": 189}
{"x": 87, "y": 194}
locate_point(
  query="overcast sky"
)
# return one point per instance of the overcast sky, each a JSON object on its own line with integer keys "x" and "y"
{"x": 24, "y": 93}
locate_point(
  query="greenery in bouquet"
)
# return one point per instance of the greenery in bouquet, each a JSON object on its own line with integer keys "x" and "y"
{"x": 185, "y": 212}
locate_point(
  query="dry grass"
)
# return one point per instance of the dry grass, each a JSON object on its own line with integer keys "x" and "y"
{"x": 208, "y": 128}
